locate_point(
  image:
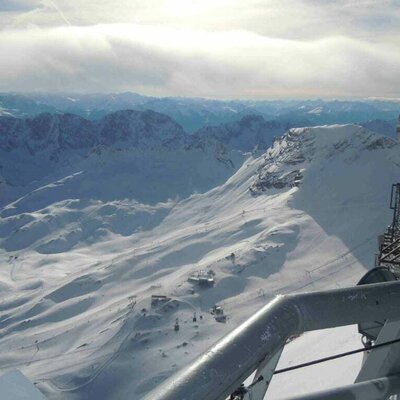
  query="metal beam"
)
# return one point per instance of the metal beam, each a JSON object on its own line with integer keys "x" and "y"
{"x": 383, "y": 361}
{"x": 376, "y": 389}
{"x": 262, "y": 378}
{"x": 397, "y": 241}
{"x": 221, "y": 369}
{"x": 390, "y": 253}
{"x": 393, "y": 252}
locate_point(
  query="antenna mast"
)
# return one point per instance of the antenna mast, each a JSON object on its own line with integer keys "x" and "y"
{"x": 389, "y": 243}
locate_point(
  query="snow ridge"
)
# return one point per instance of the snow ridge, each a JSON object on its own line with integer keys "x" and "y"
{"x": 286, "y": 159}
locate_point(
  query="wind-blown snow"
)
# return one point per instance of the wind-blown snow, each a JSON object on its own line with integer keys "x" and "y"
{"x": 78, "y": 270}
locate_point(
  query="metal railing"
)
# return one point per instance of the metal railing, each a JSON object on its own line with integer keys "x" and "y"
{"x": 256, "y": 345}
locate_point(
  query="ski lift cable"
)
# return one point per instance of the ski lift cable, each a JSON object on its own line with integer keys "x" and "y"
{"x": 335, "y": 356}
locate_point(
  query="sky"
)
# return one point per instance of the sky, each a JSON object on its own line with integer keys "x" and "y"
{"x": 242, "y": 49}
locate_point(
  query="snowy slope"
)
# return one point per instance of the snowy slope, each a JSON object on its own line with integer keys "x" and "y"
{"x": 144, "y": 155}
{"x": 78, "y": 272}
{"x": 15, "y": 386}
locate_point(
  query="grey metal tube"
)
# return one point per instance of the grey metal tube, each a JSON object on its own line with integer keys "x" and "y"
{"x": 217, "y": 373}
{"x": 375, "y": 389}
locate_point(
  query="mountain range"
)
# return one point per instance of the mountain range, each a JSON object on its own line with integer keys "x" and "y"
{"x": 35, "y": 147}
{"x": 135, "y": 144}
{"x": 195, "y": 113}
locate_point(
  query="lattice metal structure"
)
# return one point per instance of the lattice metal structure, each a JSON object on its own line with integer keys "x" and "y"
{"x": 389, "y": 243}
{"x": 395, "y": 206}
{"x": 398, "y": 129}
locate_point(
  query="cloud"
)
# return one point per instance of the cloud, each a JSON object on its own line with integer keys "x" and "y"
{"x": 170, "y": 61}
{"x": 224, "y": 48}
{"x": 290, "y": 19}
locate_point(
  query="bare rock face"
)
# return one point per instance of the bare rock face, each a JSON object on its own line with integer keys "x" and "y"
{"x": 137, "y": 128}
{"x": 146, "y": 154}
{"x": 288, "y": 157}
{"x": 284, "y": 162}
{"x": 252, "y": 131}
{"x": 55, "y": 132}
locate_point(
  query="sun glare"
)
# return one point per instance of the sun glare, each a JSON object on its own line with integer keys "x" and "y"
{"x": 184, "y": 8}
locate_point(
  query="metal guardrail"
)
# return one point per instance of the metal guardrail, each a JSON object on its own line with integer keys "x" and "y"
{"x": 258, "y": 342}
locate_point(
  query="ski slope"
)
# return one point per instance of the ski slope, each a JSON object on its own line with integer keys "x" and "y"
{"x": 78, "y": 272}
{"x": 15, "y": 386}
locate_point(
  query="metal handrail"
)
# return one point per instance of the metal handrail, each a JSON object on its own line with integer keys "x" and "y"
{"x": 221, "y": 369}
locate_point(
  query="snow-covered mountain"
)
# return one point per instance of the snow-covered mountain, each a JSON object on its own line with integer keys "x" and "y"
{"x": 248, "y": 134}
{"x": 58, "y": 132}
{"x": 387, "y": 128}
{"x": 146, "y": 145}
{"x": 82, "y": 255}
{"x": 147, "y": 155}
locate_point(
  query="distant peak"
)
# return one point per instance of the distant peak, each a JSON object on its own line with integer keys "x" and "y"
{"x": 252, "y": 118}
